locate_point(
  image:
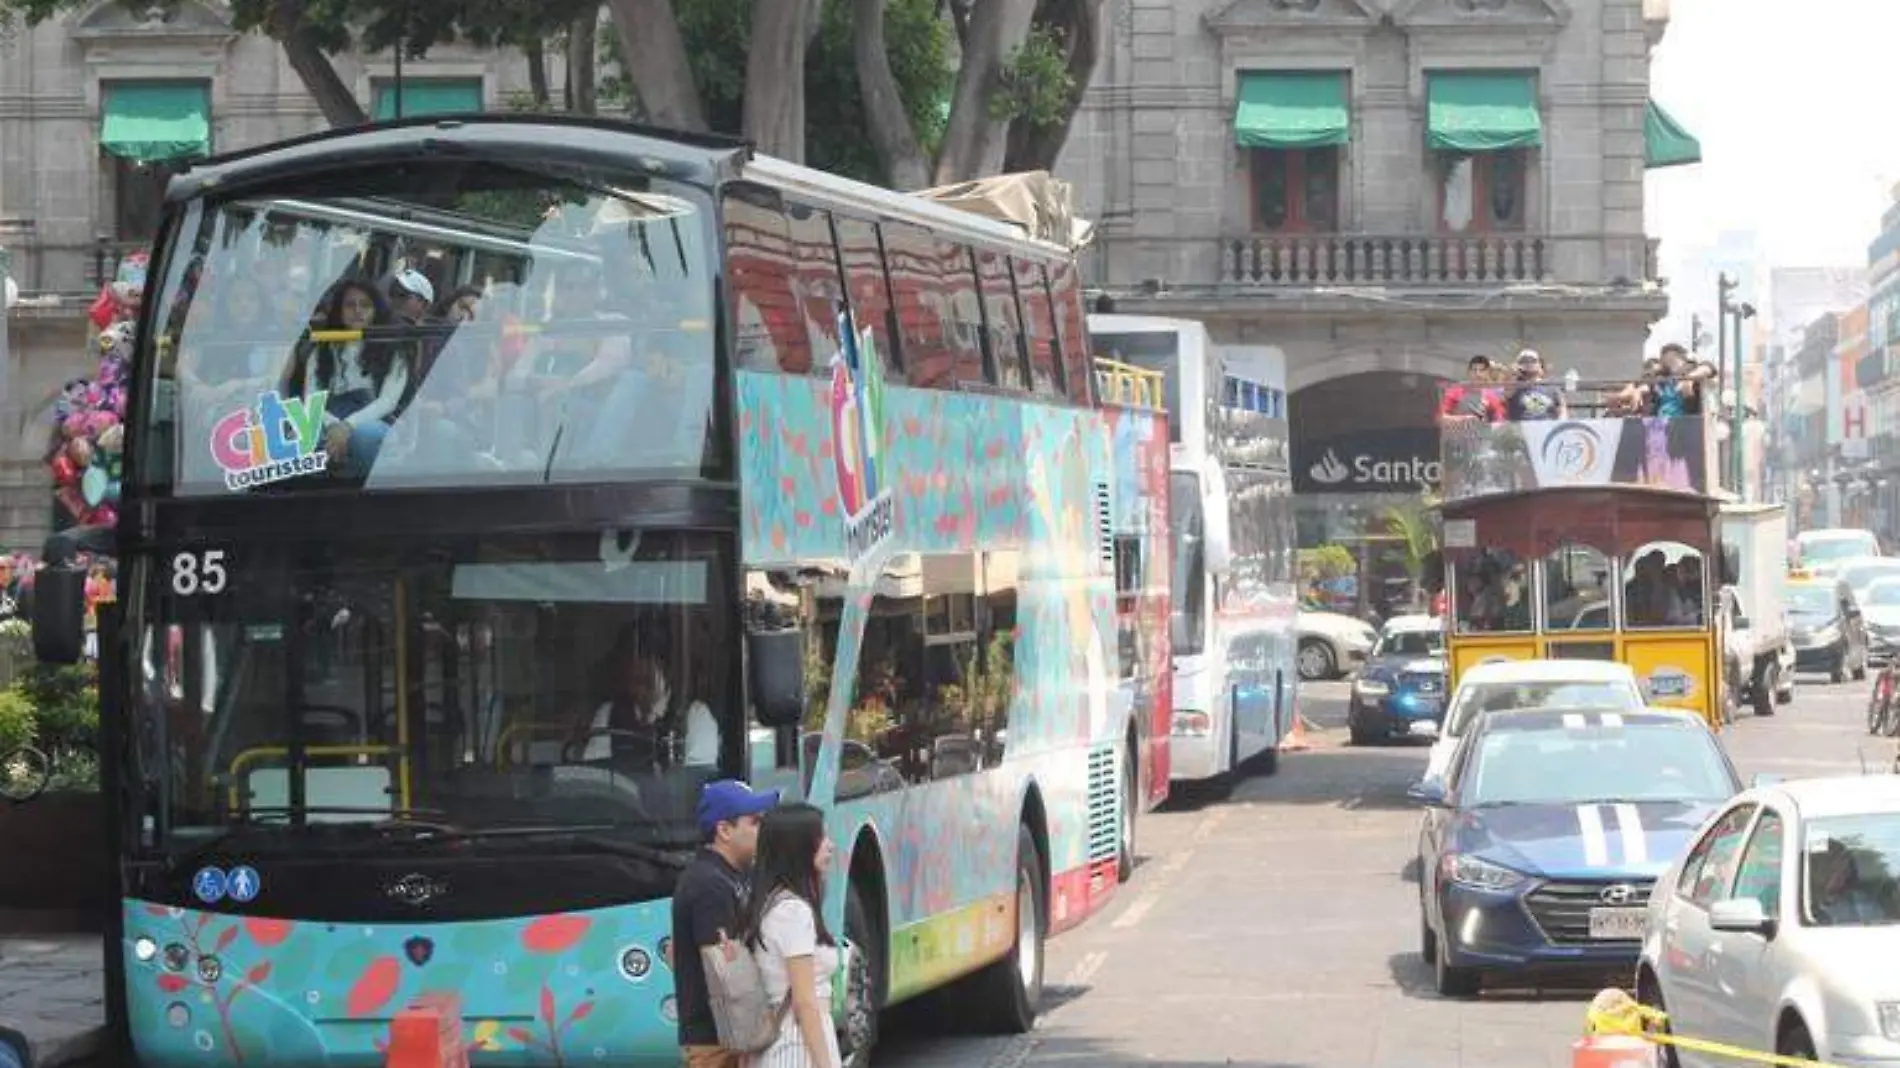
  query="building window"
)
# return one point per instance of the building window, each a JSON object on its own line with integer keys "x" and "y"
{"x": 425, "y": 96}
{"x": 1482, "y": 193}
{"x": 1295, "y": 191}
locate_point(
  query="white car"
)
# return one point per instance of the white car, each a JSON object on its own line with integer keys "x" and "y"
{"x": 1331, "y": 645}
{"x": 1778, "y": 930}
{"x": 1507, "y": 684}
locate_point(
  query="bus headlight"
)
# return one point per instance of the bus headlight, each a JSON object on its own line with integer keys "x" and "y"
{"x": 1192, "y": 724}
{"x": 144, "y": 948}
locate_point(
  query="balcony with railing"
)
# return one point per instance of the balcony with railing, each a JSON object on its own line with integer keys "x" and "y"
{"x": 1430, "y": 260}
{"x": 58, "y": 277}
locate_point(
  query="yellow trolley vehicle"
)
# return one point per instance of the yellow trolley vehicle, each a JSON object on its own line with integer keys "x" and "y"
{"x": 1591, "y": 538}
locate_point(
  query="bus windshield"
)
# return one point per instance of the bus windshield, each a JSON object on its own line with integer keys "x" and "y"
{"x": 489, "y": 682}
{"x": 435, "y": 326}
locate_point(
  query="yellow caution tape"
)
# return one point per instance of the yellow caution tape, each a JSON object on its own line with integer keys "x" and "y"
{"x": 1614, "y": 1012}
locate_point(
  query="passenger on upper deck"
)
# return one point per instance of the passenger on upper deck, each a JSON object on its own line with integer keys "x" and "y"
{"x": 1474, "y": 399}
{"x": 1533, "y": 398}
{"x": 366, "y": 379}
{"x": 1673, "y": 388}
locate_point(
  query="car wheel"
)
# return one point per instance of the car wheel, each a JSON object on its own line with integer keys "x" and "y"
{"x": 1795, "y": 1042}
{"x": 1453, "y": 982}
{"x": 1427, "y": 938}
{"x": 1649, "y": 995}
{"x": 1317, "y": 661}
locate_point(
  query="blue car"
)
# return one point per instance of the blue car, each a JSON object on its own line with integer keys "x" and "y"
{"x": 1401, "y": 690}
{"x": 1541, "y": 843}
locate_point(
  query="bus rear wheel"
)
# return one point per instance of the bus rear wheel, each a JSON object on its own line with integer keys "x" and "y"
{"x": 1125, "y": 862}
{"x": 1011, "y": 988}
{"x": 858, "y": 1036}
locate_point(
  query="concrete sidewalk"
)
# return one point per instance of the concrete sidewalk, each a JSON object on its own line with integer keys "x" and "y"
{"x": 52, "y": 998}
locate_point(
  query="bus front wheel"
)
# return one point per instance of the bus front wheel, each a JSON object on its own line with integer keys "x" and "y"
{"x": 1012, "y": 986}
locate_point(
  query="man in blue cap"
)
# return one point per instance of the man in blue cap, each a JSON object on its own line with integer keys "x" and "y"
{"x": 707, "y": 902}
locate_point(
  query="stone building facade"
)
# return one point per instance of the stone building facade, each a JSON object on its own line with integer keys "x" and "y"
{"x": 1317, "y": 177}
{"x": 73, "y": 197}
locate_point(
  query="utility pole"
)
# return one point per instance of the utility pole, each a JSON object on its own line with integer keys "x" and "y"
{"x": 1724, "y": 286}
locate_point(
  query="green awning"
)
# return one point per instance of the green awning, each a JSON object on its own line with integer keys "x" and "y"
{"x": 1665, "y": 142}
{"x": 1482, "y": 111}
{"x": 1292, "y": 109}
{"x": 428, "y": 96}
{"x": 150, "y": 122}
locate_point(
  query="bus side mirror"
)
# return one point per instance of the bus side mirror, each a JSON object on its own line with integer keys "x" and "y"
{"x": 777, "y": 659}
{"x": 59, "y": 614}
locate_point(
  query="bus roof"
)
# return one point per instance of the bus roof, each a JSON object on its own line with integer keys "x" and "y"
{"x": 702, "y": 159}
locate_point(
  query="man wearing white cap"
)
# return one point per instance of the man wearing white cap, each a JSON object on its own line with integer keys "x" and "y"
{"x": 412, "y": 296}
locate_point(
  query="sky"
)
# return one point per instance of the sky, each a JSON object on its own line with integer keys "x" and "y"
{"x": 1785, "y": 98}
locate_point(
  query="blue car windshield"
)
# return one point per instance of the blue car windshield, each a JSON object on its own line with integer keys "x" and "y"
{"x": 1576, "y": 765}
{"x": 1411, "y": 643}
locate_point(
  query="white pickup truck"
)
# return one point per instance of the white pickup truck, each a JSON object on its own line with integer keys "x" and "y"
{"x": 1757, "y": 644}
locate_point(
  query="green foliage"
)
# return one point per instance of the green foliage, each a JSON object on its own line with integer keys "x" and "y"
{"x": 1037, "y": 87}
{"x": 1326, "y": 562}
{"x": 65, "y": 702}
{"x": 16, "y": 720}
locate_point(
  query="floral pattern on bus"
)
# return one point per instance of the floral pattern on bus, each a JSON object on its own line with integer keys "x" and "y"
{"x": 248, "y": 990}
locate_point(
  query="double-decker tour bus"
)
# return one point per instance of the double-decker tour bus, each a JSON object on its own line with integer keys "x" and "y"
{"x": 432, "y": 624}
{"x": 1233, "y": 595}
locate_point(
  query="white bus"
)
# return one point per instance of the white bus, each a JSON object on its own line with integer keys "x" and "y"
{"x": 1233, "y": 595}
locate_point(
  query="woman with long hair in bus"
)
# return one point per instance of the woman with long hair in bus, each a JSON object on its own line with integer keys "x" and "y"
{"x": 365, "y": 379}
{"x": 784, "y": 927}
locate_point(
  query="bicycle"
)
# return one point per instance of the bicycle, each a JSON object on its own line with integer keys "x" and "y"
{"x": 25, "y": 772}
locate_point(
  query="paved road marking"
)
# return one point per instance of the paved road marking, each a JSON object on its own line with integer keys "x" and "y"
{"x": 1170, "y": 870}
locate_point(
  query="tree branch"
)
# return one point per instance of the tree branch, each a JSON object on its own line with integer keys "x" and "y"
{"x": 774, "y": 106}
{"x": 335, "y": 99}
{"x": 1078, "y": 23}
{"x": 973, "y": 143}
{"x": 656, "y": 63}
{"x": 890, "y": 128}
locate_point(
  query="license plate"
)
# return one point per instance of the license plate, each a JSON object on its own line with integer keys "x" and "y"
{"x": 1617, "y": 924}
{"x": 1423, "y": 728}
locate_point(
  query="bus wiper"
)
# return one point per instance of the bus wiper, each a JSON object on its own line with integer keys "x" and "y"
{"x": 592, "y": 836}
{"x": 280, "y": 815}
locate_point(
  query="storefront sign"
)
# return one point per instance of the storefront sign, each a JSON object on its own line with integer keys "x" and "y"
{"x": 1375, "y": 461}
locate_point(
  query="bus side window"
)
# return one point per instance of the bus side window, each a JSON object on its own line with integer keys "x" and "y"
{"x": 870, "y": 297}
{"x": 1002, "y": 320}
{"x": 770, "y": 331}
{"x": 963, "y": 312}
{"x": 1039, "y": 329}
{"x": 1065, "y": 291}
{"x": 917, "y": 290}
{"x": 817, "y": 285}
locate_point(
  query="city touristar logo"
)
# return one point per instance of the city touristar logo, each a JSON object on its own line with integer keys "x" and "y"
{"x": 282, "y": 437}
{"x": 1571, "y": 451}
{"x": 857, "y": 431}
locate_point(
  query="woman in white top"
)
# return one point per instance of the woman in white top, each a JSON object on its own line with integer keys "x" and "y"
{"x": 365, "y": 380}
{"x": 785, "y": 929}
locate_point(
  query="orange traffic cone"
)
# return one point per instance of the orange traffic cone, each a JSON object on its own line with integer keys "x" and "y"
{"x": 1295, "y": 740}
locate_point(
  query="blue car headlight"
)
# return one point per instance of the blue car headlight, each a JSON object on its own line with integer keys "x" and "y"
{"x": 1370, "y": 688}
{"x": 1469, "y": 871}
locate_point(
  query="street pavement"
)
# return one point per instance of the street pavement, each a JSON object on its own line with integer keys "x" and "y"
{"x": 1275, "y": 929}
{"x": 1279, "y": 929}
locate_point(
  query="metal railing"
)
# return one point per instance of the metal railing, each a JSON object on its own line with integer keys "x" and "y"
{"x": 1128, "y": 385}
{"x": 1381, "y": 259}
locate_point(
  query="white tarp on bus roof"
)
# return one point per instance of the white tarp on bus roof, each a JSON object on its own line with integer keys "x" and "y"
{"x": 1037, "y": 202}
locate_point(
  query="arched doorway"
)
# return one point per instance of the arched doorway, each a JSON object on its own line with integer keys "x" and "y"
{"x": 1364, "y": 453}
